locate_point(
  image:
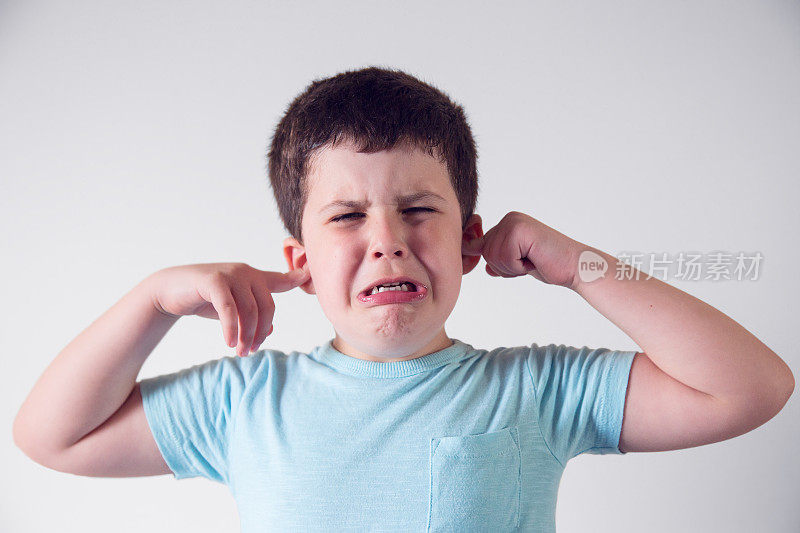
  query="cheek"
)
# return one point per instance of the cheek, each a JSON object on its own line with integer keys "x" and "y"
{"x": 445, "y": 268}
{"x": 341, "y": 268}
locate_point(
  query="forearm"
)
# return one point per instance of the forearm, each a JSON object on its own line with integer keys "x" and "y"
{"x": 688, "y": 339}
{"x": 93, "y": 375}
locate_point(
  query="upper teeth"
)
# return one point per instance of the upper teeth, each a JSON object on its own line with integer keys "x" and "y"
{"x": 396, "y": 286}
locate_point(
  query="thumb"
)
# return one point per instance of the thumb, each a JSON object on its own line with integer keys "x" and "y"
{"x": 282, "y": 282}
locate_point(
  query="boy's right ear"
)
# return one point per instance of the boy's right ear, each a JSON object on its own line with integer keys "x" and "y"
{"x": 295, "y": 254}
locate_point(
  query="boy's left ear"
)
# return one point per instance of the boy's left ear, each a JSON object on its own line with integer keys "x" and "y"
{"x": 472, "y": 232}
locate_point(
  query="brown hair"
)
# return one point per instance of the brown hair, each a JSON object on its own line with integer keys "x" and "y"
{"x": 375, "y": 109}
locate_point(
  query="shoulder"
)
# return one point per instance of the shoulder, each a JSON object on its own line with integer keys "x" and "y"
{"x": 226, "y": 372}
{"x": 564, "y": 368}
{"x": 506, "y": 362}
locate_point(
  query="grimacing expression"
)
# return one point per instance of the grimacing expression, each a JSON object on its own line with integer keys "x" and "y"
{"x": 387, "y": 214}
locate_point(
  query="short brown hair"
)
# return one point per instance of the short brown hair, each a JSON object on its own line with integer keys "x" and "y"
{"x": 375, "y": 109}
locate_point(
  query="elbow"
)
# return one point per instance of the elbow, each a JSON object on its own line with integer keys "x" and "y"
{"x": 789, "y": 386}
{"x": 18, "y": 434}
{"x": 25, "y": 439}
{"x": 24, "y": 434}
{"x": 40, "y": 456}
{"x": 786, "y": 384}
{"x": 764, "y": 402}
{"x": 783, "y": 388}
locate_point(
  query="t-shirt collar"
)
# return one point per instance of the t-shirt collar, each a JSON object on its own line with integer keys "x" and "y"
{"x": 333, "y": 358}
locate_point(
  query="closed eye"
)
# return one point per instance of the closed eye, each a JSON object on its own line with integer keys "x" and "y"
{"x": 341, "y": 218}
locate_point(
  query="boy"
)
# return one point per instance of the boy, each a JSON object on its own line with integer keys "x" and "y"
{"x": 392, "y": 425}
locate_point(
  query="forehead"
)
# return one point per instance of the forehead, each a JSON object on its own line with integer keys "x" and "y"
{"x": 342, "y": 173}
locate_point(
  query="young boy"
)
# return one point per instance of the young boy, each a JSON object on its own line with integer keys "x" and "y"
{"x": 392, "y": 425}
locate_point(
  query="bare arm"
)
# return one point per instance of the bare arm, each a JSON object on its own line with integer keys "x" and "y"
{"x": 704, "y": 378}
{"x": 92, "y": 376}
{"x": 691, "y": 341}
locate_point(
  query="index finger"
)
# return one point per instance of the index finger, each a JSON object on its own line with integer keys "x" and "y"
{"x": 285, "y": 281}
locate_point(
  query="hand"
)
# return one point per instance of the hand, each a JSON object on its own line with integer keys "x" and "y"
{"x": 520, "y": 245}
{"x": 229, "y": 292}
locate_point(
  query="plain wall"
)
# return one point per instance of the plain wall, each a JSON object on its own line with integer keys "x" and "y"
{"x": 133, "y": 137}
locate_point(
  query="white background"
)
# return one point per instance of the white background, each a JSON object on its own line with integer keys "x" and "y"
{"x": 133, "y": 137}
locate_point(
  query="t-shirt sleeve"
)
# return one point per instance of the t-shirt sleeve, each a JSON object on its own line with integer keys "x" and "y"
{"x": 580, "y": 395}
{"x": 191, "y": 414}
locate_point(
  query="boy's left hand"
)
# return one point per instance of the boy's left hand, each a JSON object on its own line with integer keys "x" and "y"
{"x": 520, "y": 245}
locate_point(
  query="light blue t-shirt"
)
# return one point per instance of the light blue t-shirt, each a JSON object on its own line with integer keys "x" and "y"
{"x": 462, "y": 439}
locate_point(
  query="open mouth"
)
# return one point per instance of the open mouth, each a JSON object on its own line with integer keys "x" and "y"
{"x": 404, "y": 286}
{"x": 396, "y": 292}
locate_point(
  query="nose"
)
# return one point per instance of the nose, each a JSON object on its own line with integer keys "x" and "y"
{"x": 387, "y": 238}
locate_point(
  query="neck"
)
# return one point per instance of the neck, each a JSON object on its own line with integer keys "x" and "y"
{"x": 439, "y": 342}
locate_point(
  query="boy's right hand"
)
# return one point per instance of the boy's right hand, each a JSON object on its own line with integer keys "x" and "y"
{"x": 236, "y": 294}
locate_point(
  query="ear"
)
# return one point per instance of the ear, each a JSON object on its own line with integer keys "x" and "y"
{"x": 472, "y": 232}
{"x": 295, "y": 254}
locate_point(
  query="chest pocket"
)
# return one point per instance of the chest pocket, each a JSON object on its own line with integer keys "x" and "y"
{"x": 475, "y": 482}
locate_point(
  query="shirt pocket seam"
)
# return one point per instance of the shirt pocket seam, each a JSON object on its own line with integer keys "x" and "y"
{"x": 504, "y": 441}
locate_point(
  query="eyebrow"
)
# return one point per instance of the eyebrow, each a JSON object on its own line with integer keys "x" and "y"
{"x": 401, "y": 200}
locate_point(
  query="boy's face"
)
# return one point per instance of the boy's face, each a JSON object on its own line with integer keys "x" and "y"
{"x": 383, "y": 237}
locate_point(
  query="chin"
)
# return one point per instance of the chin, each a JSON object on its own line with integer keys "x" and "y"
{"x": 386, "y": 344}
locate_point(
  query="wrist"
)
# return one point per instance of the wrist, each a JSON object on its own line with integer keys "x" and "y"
{"x": 592, "y": 266}
{"x": 149, "y": 290}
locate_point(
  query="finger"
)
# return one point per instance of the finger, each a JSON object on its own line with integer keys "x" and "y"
{"x": 527, "y": 265}
{"x": 285, "y": 281}
{"x": 225, "y": 306}
{"x": 495, "y": 271}
{"x": 472, "y": 247}
{"x": 535, "y": 274}
{"x": 499, "y": 273}
{"x": 247, "y": 310}
{"x": 266, "y": 312}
